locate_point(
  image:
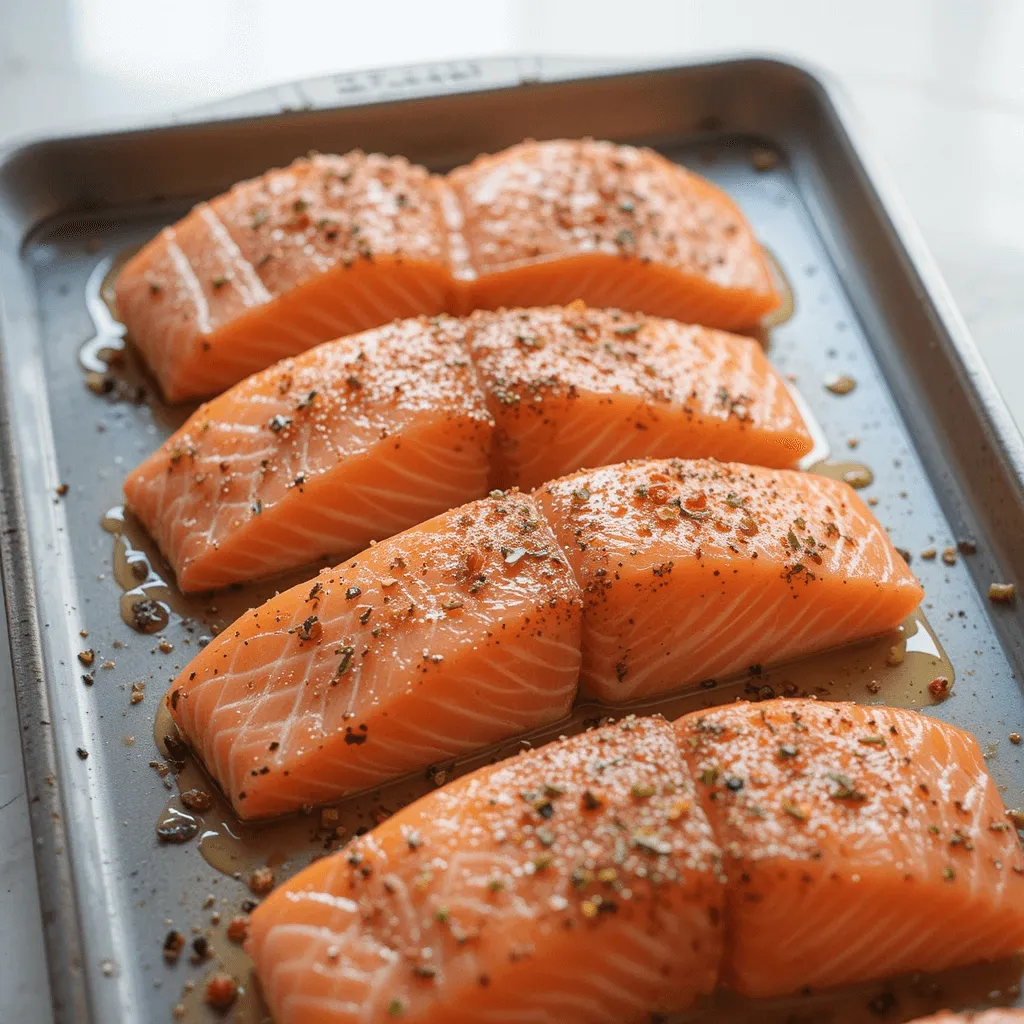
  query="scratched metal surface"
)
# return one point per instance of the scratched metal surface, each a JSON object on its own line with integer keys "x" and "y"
{"x": 947, "y": 463}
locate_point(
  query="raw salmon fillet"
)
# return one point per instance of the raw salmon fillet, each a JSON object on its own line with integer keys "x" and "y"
{"x": 352, "y": 441}
{"x": 337, "y": 244}
{"x": 549, "y": 222}
{"x": 360, "y": 438}
{"x": 859, "y": 843}
{"x": 774, "y": 848}
{"x": 573, "y": 884}
{"x": 571, "y": 387}
{"x": 453, "y": 635}
{"x": 328, "y": 246}
{"x": 695, "y": 570}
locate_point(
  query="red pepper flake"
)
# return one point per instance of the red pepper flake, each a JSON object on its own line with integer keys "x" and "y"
{"x": 238, "y": 929}
{"x": 221, "y": 991}
{"x": 939, "y": 688}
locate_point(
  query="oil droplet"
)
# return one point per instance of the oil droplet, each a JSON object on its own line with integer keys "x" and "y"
{"x": 787, "y": 306}
{"x": 106, "y": 346}
{"x": 146, "y": 602}
{"x": 840, "y": 383}
{"x": 176, "y": 825}
{"x": 855, "y": 474}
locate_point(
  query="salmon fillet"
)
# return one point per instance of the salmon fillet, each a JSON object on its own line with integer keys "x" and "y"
{"x": 573, "y": 884}
{"x": 548, "y": 222}
{"x": 859, "y": 843}
{"x": 352, "y": 441}
{"x": 328, "y": 246}
{"x": 695, "y": 570}
{"x": 333, "y": 245}
{"x": 455, "y": 634}
{"x": 571, "y": 387}
{"x": 617, "y": 875}
{"x": 360, "y": 438}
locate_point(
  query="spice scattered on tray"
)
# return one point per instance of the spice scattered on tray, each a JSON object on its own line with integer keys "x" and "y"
{"x": 1002, "y": 593}
{"x": 261, "y": 881}
{"x": 840, "y": 383}
{"x": 221, "y": 991}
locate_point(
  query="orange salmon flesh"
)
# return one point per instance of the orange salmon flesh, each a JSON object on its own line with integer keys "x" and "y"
{"x": 361, "y": 438}
{"x": 333, "y": 245}
{"x": 624, "y": 872}
{"x": 478, "y": 624}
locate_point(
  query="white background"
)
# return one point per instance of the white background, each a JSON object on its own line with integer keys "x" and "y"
{"x": 939, "y": 83}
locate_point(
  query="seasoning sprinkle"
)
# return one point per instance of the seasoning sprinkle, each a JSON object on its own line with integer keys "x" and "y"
{"x": 794, "y": 811}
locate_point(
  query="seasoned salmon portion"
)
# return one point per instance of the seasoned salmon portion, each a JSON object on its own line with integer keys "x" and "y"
{"x": 458, "y": 633}
{"x": 350, "y": 442}
{"x": 573, "y": 884}
{"x": 573, "y": 387}
{"x": 360, "y": 438}
{"x": 696, "y": 570}
{"x": 617, "y": 226}
{"x": 859, "y": 843}
{"x": 333, "y": 245}
{"x": 330, "y": 245}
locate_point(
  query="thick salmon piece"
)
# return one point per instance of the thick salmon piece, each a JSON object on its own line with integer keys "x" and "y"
{"x": 360, "y": 438}
{"x": 573, "y": 884}
{"x": 695, "y": 570}
{"x": 337, "y": 244}
{"x": 328, "y": 246}
{"x": 549, "y": 222}
{"x": 438, "y": 641}
{"x": 571, "y": 387}
{"x": 859, "y": 843}
{"x": 353, "y": 441}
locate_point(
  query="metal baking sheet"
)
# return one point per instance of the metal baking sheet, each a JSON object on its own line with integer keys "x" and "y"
{"x": 947, "y": 460}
